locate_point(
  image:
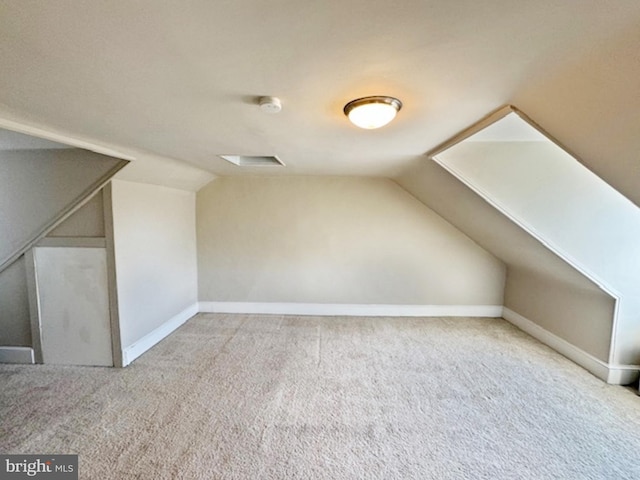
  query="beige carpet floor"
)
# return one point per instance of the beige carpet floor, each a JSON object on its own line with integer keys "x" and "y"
{"x": 272, "y": 397}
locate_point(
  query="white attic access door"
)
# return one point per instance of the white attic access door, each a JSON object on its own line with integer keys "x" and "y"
{"x": 73, "y": 303}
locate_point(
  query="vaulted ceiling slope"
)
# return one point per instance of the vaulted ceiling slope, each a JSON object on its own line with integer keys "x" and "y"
{"x": 169, "y": 82}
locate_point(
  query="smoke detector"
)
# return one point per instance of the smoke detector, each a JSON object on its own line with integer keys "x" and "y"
{"x": 270, "y": 104}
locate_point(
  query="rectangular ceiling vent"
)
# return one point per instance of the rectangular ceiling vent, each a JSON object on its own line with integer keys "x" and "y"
{"x": 254, "y": 160}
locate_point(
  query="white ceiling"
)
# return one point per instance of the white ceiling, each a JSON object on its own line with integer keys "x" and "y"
{"x": 179, "y": 80}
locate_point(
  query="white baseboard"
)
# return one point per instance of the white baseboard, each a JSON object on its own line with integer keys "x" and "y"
{"x": 130, "y": 353}
{"x": 353, "y": 310}
{"x": 613, "y": 374}
{"x": 16, "y": 355}
{"x": 623, "y": 374}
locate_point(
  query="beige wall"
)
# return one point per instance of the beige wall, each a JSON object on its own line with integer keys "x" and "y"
{"x": 337, "y": 241}
{"x": 564, "y": 309}
{"x": 88, "y": 221}
{"x": 155, "y": 255}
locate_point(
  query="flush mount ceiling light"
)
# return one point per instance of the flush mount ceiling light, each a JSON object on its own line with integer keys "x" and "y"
{"x": 372, "y": 112}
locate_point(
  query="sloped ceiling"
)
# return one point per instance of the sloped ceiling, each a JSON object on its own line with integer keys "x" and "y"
{"x": 39, "y": 187}
{"x": 179, "y": 81}
{"x": 493, "y": 231}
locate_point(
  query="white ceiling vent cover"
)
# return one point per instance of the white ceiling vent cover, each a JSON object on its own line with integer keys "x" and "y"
{"x": 254, "y": 160}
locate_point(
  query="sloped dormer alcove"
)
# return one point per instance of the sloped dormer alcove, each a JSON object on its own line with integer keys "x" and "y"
{"x": 588, "y": 305}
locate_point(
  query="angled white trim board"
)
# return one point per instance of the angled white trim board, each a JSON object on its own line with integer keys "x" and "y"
{"x": 603, "y": 285}
{"x": 16, "y": 355}
{"x": 614, "y": 374}
{"x": 63, "y": 138}
{"x": 353, "y": 309}
{"x": 130, "y": 353}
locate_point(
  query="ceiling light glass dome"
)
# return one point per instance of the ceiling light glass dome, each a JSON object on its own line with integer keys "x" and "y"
{"x": 372, "y": 112}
